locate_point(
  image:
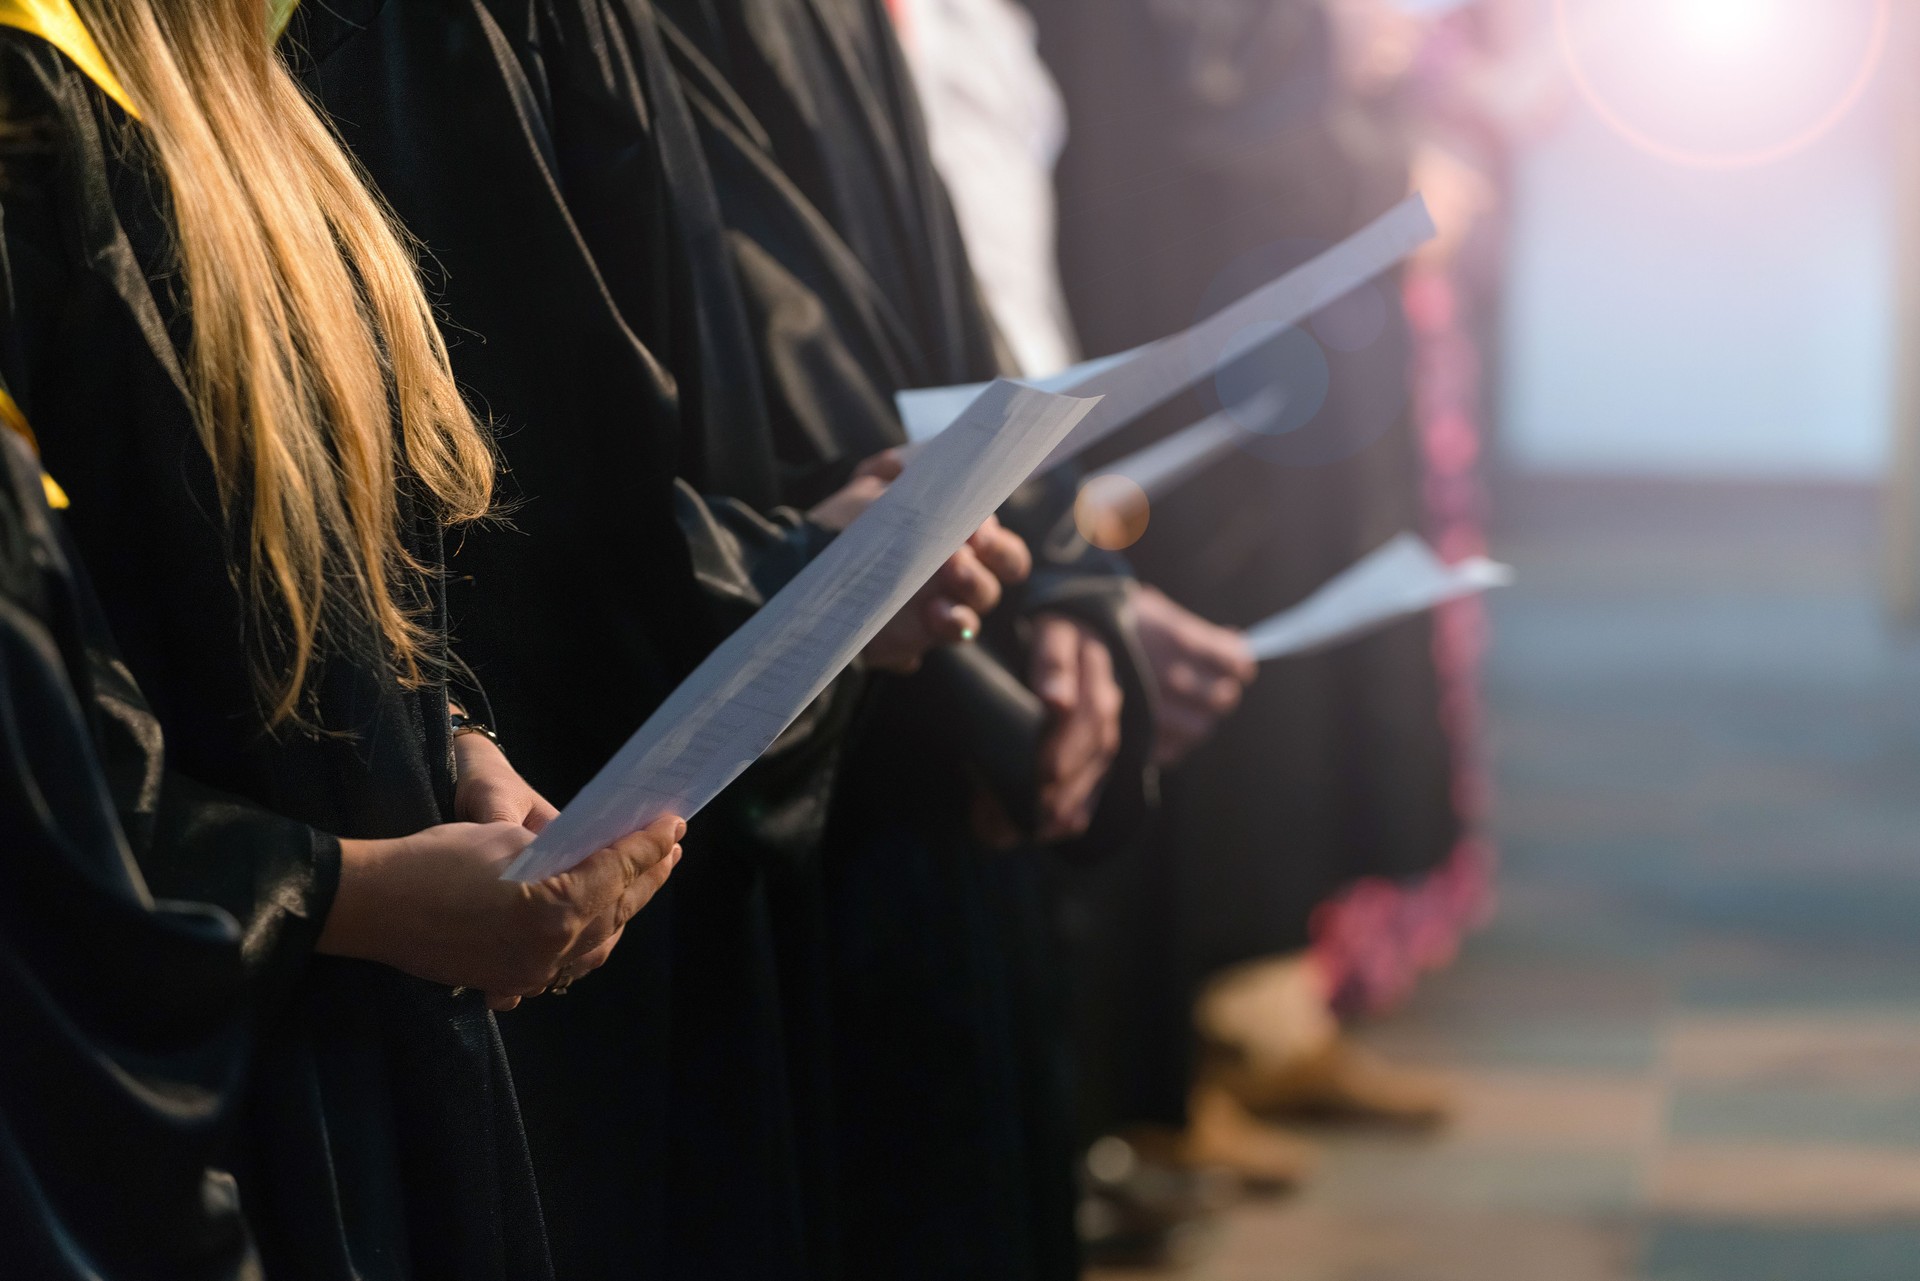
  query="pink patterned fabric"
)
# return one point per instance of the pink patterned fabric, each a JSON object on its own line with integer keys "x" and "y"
{"x": 1376, "y": 939}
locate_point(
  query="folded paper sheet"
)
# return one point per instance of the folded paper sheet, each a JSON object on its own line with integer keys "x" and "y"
{"x": 1134, "y": 382}
{"x": 1164, "y": 466}
{"x": 1402, "y": 578}
{"x": 732, "y": 708}
{"x": 927, "y": 411}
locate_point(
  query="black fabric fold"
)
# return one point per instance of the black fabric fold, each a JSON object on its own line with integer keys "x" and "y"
{"x": 954, "y": 1151}
{"x": 120, "y": 1070}
{"x": 528, "y": 145}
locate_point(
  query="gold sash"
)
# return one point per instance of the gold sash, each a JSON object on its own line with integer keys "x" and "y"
{"x": 16, "y": 422}
{"x": 55, "y": 22}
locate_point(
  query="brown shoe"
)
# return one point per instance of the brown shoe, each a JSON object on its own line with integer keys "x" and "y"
{"x": 1272, "y": 1009}
{"x": 1341, "y": 1082}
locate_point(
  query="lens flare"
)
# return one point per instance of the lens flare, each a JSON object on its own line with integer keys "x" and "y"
{"x": 1111, "y": 512}
{"x": 1721, "y": 28}
{"x": 1723, "y": 58}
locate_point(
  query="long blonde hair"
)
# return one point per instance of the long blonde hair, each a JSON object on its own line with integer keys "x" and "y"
{"x": 311, "y": 336}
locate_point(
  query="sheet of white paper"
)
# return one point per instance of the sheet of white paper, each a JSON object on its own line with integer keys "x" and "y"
{"x": 734, "y": 705}
{"x": 1134, "y": 382}
{"x": 1162, "y": 467}
{"x": 926, "y": 412}
{"x": 1403, "y": 577}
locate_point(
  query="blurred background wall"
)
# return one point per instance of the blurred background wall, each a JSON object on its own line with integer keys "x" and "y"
{"x": 1686, "y": 319}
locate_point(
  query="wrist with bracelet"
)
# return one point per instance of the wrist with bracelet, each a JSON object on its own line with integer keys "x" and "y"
{"x": 465, "y": 724}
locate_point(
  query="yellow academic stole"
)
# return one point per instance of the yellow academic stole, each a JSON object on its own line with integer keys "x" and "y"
{"x": 55, "y": 22}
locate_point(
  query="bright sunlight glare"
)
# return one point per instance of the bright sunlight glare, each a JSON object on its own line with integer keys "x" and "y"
{"x": 1727, "y": 28}
{"x": 1723, "y": 84}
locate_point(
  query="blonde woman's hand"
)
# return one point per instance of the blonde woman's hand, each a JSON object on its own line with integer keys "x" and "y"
{"x": 490, "y": 789}
{"x": 433, "y": 905}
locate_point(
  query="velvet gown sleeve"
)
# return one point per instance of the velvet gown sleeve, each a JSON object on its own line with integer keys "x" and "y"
{"x": 275, "y": 876}
{"x": 123, "y": 1050}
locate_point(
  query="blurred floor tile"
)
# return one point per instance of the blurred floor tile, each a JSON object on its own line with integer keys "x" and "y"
{"x": 1788, "y": 1183}
{"x": 1868, "y": 1050}
{"x": 1557, "y": 1112}
{"x": 1842, "y": 1114}
{"x": 1562, "y": 1042}
{"x": 1689, "y": 1049}
{"x": 1363, "y": 1173}
{"x": 1316, "y": 1244}
{"x": 1745, "y": 1252}
{"x": 1828, "y": 979}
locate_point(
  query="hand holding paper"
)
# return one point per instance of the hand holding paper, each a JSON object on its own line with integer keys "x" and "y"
{"x": 732, "y": 708}
{"x": 949, "y": 610}
{"x": 1199, "y": 670}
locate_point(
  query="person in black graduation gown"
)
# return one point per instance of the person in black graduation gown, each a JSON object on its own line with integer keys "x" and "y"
{"x": 674, "y": 1104}
{"x": 858, "y": 286}
{"x": 711, "y": 1183}
{"x": 380, "y": 1137}
{"x": 956, "y": 1133}
{"x": 121, "y": 1066}
{"x": 1212, "y": 148}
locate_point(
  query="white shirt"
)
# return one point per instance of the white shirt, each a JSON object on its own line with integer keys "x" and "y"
{"x": 998, "y": 124}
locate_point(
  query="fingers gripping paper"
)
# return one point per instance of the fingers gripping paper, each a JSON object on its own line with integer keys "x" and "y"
{"x": 1134, "y": 382}
{"x": 734, "y": 705}
{"x": 1403, "y": 577}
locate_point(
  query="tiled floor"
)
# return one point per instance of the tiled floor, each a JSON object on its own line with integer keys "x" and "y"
{"x": 1689, "y": 1050}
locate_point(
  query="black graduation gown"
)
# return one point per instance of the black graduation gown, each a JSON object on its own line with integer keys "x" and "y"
{"x": 121, "y": 1066}
{"x": 380, "y": 1136}
{"x": 1206, "y": 156}
{"x": 830, "y": 90}
{"x": 518, "y": 141}
{"x": 956, "y": 1140}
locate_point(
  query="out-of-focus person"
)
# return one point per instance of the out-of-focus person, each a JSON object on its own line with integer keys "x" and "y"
{"x": 953, "y": 1140}
{"x": 1320, "y": 847}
